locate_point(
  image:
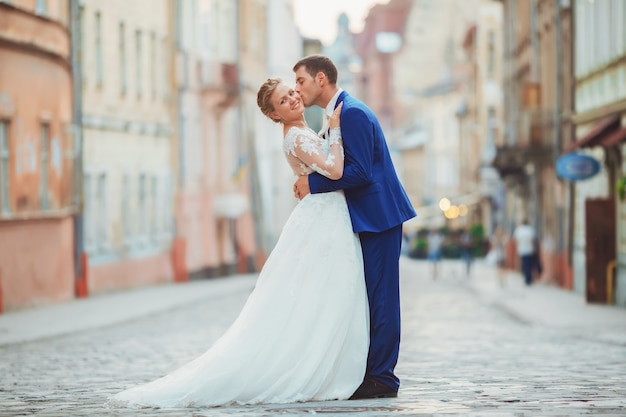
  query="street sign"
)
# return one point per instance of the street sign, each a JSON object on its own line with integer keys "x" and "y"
{"x": 576, "y": 167}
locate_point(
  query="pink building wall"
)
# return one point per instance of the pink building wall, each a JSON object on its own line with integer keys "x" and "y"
{"x": 36, "y": 264}
{"x": 36, "y": 232}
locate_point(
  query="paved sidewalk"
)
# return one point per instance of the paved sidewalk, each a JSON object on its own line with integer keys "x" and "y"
{"x": 537, "y": 305}
{"x": 111, "y": 308}
{"x": 549, "y": 306}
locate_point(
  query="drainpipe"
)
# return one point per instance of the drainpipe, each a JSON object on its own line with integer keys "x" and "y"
{"x": 182, "y": 89}
{"x": 80, "y": 257}
{"x": 513, "y": 93}
{"x": 179, "y": 244}
{"x": 558, "y": 111}
{"x": 535, "y": 73}
{"x": 559, "y": 79}
{"x": 571, "y": 195}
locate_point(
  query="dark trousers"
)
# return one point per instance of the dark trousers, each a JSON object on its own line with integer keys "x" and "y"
{"x": 381, "y": 254}
{"x": 529, "y": 264}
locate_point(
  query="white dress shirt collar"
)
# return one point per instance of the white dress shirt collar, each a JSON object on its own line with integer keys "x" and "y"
{"x": 330, "y": 107}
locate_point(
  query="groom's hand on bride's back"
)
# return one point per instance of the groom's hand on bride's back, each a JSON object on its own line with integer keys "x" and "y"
{"x": 301, "y": 187}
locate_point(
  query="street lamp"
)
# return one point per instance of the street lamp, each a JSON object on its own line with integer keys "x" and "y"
{"x": 444, "y": 204}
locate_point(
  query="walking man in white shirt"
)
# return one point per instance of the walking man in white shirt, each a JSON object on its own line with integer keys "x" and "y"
{"x": 526, "y": 240}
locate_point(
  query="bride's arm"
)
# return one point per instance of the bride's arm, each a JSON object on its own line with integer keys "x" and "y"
{"x": 308, "y": 151}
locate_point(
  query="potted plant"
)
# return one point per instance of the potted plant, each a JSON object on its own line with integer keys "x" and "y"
{"x": 621, "y": 188}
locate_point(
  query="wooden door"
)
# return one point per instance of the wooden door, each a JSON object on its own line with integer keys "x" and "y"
{"x": 600, "y": 226}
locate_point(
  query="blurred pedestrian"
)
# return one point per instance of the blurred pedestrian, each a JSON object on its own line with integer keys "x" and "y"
{"x": 497, "y": 253}
{"x": 467, "y": 243}
{"x": 527, "y": 249}
{"x": 435, "y": 241}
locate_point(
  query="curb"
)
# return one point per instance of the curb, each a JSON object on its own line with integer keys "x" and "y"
{"x": 108, "y": 309}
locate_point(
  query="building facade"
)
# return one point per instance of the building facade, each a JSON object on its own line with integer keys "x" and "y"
{"x": 37, "y": 154}
{"x": 480, "y": 116}
{"x": 212, "y": 196}
{"x": 429, "y": 73}
{"x": 128, "y": 136}
{"x": 537, "y": 107}
{"x": 284, "y": 49}
{"x": 598, "y": 125}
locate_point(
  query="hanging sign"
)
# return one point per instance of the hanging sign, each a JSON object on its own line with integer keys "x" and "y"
{"x": 576, "y": 167}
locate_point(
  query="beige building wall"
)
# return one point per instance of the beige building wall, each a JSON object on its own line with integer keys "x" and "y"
{"x": 431, "y": 45}
{"x": 206, "y": 83}
{"x": 128, "y": 140}
{"x": 276, "y": 178}
{"x": 488, "y": 126}
{"x": 600, "y": 93}
{"x": 427, "y": 127}
{"x": 253, "y": 65}
{"x": 441, "y": 177}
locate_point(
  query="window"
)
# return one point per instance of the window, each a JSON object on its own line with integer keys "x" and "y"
{"x": 122, "y": 52}
{"x": 153, "y": 80}
{"x": 491, "y": 52}
{"x": 619, "y": 13}
{"x": 80, "y": 34}
{"x": 182, "y": 148}
{"x": 623, "y": 26}
{"x": 491, "y": 125}
{"x": 164, "y": 67}
{"x": 45, "y": 165}
{"x": 179, "y": 23}
{"x": 142, "y": 208}
{"x": 41, "y": 7}
{"x": 89, "y": 213}
{"x": 4, "y": 166}
{"x": 138, "y": 67}
{"x": 102, "y": 221}
{"x": 167, "y": 209}
{"x": 95, "y": 212}
{"x": 154, "y": 208}
{"x": 98, "y": 34}
{"x": 126, "y": 211}
{"x": 578, "y": 41}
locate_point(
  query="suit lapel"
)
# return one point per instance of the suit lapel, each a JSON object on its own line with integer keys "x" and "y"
{"x": 341, "y": 97}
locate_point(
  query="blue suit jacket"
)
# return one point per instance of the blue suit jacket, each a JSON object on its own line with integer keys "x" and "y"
{"x": 376, "y": 199}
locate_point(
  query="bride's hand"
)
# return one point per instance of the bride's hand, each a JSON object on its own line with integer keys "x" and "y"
{"x": 334, "y": 119}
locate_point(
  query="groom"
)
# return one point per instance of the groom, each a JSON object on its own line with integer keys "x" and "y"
{"x": 378, "y": 206}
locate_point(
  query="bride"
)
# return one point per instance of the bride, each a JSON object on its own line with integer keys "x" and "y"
{"x": 303, "y": 333}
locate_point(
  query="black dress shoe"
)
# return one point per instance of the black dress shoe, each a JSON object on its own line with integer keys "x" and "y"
{"x": 370, "y": 388}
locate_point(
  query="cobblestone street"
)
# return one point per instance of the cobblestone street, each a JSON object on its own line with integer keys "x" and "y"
{"x": 461, "y": 355}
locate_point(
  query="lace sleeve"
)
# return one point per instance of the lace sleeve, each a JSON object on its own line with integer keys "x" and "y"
{"x": 308, "y": 150}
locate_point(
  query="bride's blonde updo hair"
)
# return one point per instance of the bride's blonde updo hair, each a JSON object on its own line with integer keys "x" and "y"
{"x": 264, "y": 95}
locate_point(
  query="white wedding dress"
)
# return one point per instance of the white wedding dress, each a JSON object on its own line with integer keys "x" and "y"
{"x": 303, "y": 333}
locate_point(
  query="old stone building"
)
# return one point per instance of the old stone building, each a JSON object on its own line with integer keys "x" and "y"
{"x": 37, "y": 200}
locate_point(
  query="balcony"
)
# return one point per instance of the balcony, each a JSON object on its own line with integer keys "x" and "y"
{"x": 231, "y": 205}
{"x": 219, "y": 82}
{"x": 23, "y": 30}
{"x": 536, "y": 128}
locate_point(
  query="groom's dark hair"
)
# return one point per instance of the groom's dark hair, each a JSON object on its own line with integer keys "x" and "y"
{"x": 318, "y": 63}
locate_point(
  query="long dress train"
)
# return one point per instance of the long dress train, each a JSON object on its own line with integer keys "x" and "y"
{"x": 303, "y": 333}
